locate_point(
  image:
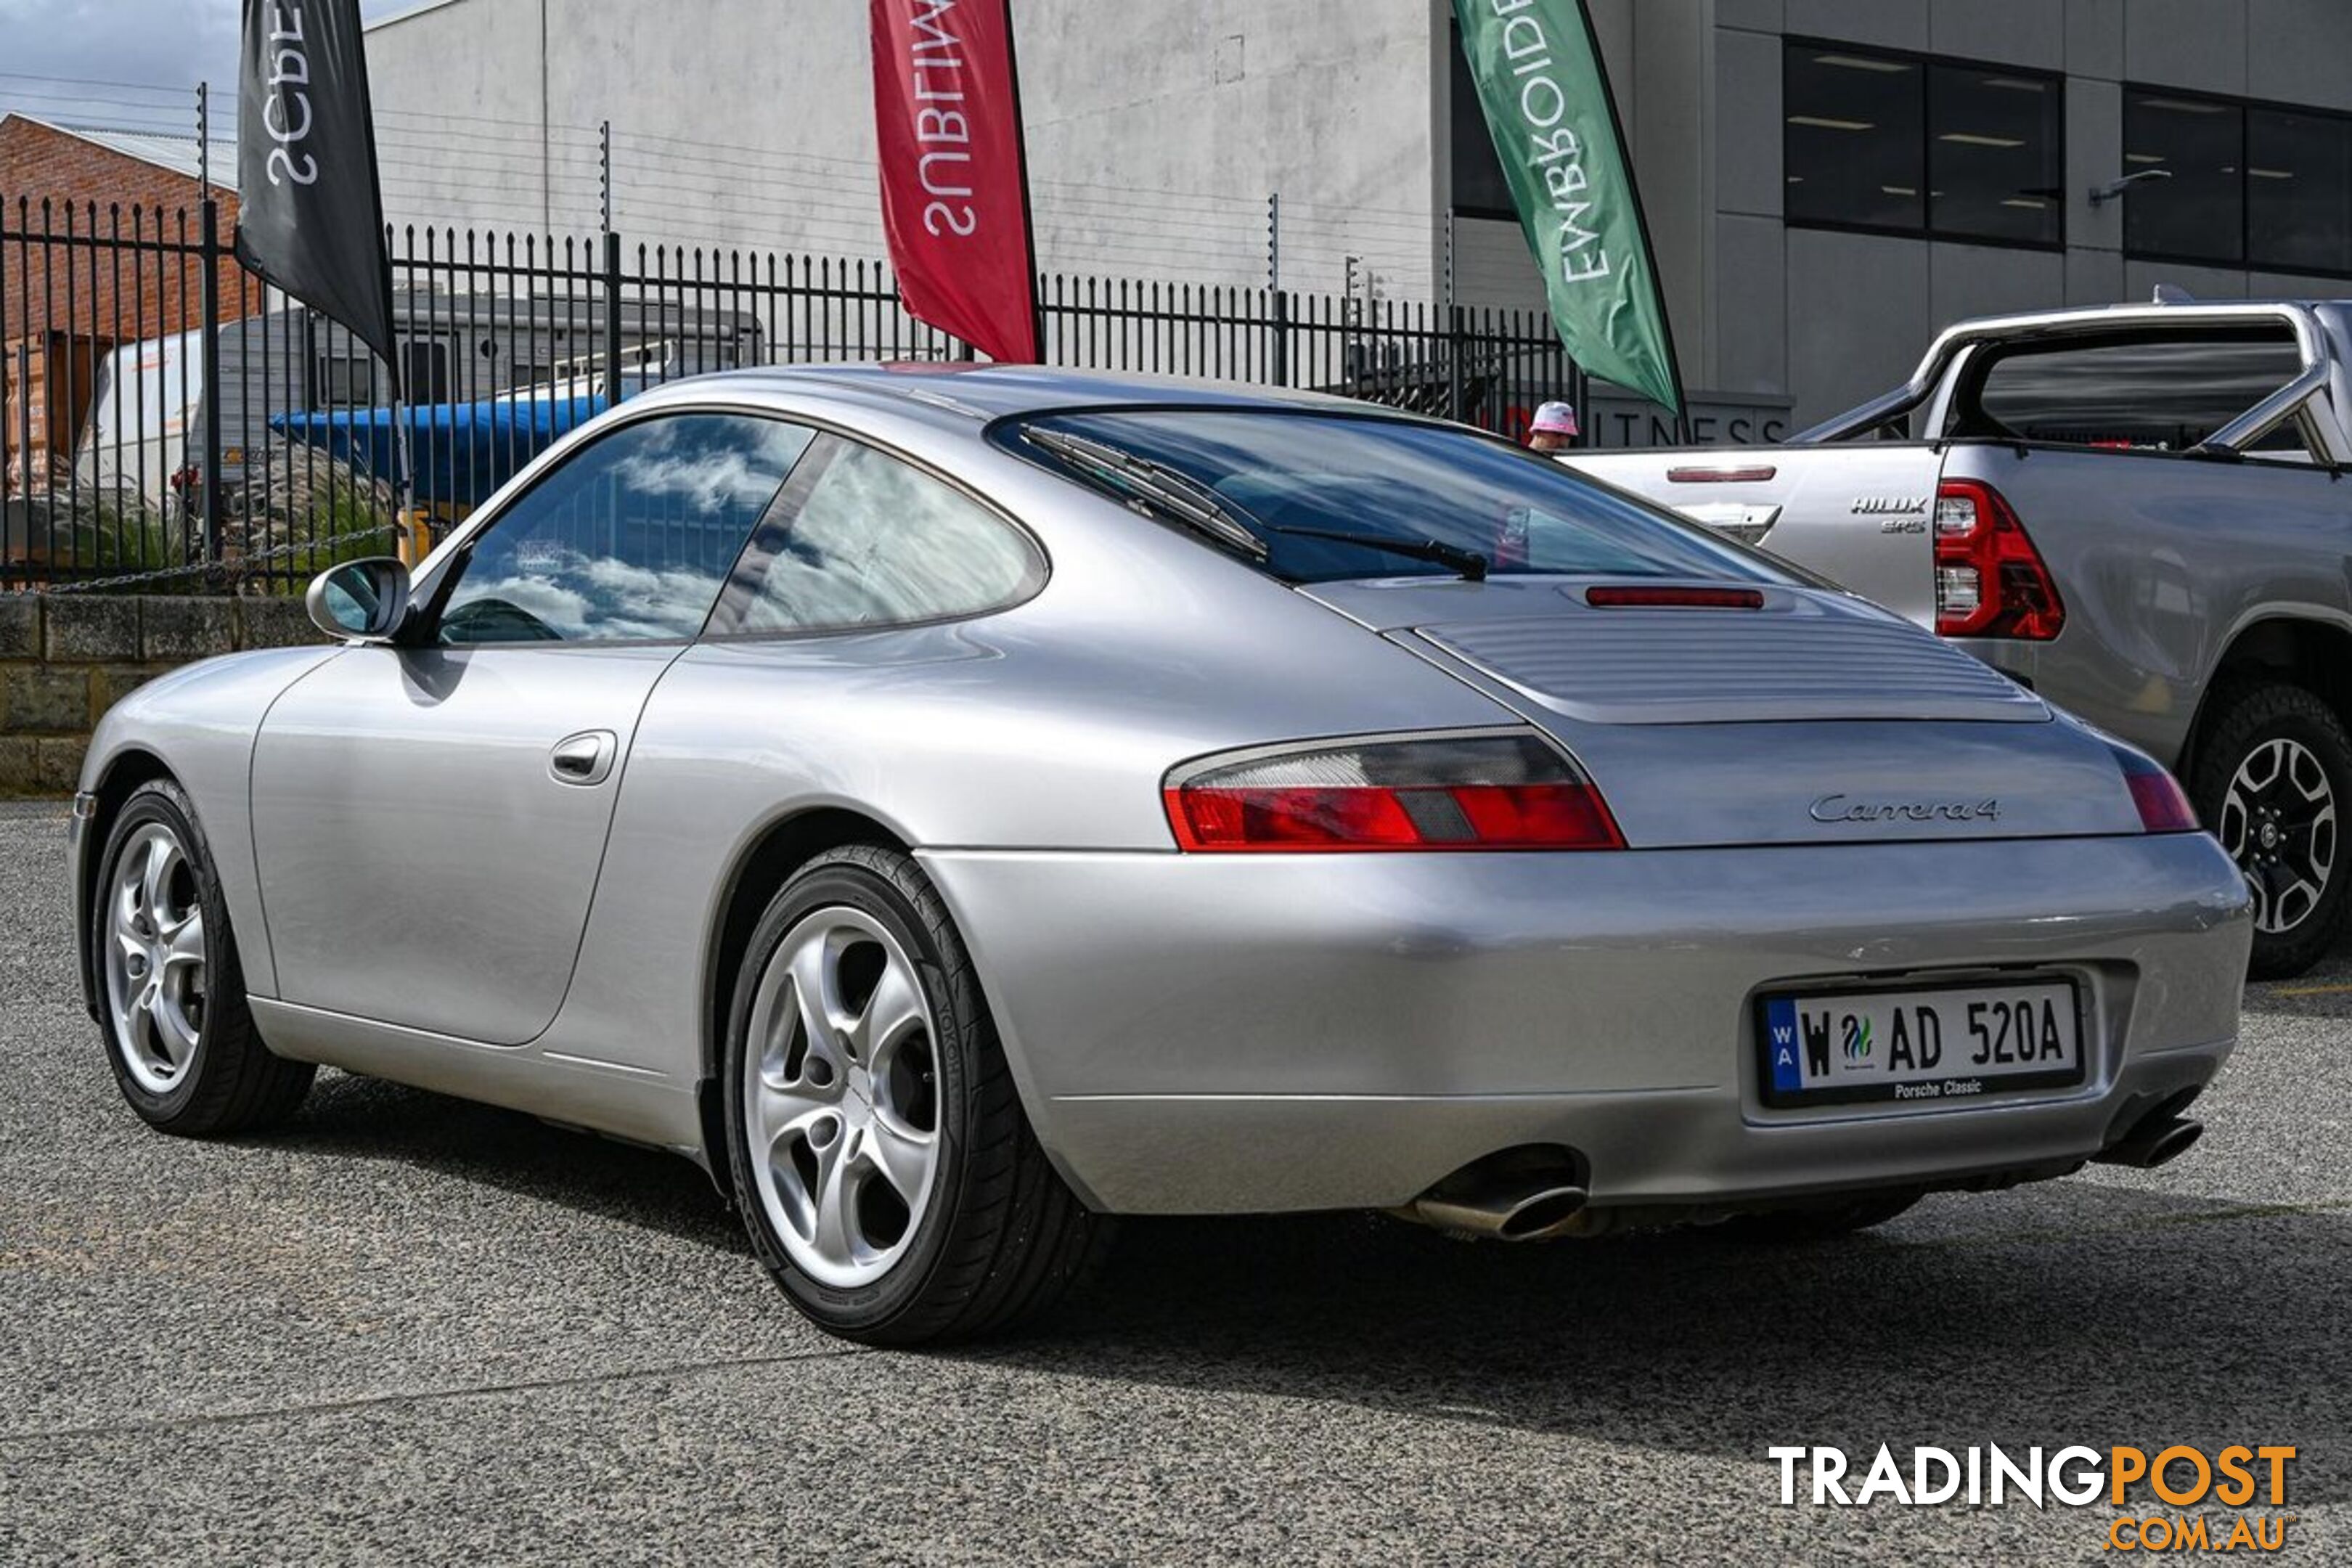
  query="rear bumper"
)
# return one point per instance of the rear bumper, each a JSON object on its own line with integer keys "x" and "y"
{"x": 1207, "y": 1034}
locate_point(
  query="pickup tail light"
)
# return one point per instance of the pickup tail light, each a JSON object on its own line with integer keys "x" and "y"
{"x": 2163, "y": 806}
{"x": 1494, "y": 791}
{"x": 1990, "y": 580}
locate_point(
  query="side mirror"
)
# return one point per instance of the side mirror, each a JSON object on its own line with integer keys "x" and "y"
{"x": 364, "y": 599}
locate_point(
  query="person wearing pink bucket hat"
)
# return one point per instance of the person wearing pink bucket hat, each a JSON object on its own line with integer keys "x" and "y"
{"x": 1553, "y": 429}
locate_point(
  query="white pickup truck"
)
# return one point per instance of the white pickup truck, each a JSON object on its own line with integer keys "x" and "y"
{"x": 2139, "y": 512}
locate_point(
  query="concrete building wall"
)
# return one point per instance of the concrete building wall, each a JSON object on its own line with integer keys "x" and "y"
{"x": 1855, "y": 311}
{"x": 1830, "y": 318}
{"x": 464, "y": 135}
{"x": 1159, "y": 128}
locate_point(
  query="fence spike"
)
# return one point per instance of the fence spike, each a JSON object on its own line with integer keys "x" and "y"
{"x": 1392, "y": 349}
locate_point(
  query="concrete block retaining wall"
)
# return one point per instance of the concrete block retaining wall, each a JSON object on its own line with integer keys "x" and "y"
{"x": 66, "y": 658}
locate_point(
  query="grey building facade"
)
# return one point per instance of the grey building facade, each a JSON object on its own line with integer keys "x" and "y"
{"x": 1828, "y": 182}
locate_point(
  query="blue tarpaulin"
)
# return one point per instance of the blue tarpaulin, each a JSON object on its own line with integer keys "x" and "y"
{"x": 462, "y": 451}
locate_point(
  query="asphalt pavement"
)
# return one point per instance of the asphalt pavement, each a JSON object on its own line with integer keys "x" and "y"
{"x": 412, "y": 1329}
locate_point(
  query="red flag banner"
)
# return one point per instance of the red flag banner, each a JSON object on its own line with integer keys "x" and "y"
{"x": 955, "y": 190}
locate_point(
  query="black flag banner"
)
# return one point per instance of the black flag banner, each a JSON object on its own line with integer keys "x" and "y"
{"x": 309, "y": 212}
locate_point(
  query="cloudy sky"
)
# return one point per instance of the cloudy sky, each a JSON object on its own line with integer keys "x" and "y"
{"x": 142, "y": 44}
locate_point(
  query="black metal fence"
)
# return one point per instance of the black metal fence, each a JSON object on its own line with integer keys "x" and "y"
{"x": 167, "y": 419}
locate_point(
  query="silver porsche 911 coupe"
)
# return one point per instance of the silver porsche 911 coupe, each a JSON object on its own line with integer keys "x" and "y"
{"x": 958, "y": 804}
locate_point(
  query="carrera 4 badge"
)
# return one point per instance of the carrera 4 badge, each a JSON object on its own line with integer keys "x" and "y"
{"x": 1846, "y": 808}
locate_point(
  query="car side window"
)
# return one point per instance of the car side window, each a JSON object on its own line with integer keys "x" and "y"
{"x": 862, "y": 539}
{"x": 630, "y": 539}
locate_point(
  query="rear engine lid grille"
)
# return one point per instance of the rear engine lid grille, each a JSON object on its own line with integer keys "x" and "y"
{"x": 1805, "y": 657}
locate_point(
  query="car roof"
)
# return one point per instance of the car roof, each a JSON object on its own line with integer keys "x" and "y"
{"x": 983, "y": 391}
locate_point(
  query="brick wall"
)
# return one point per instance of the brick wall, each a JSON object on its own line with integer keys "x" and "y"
{"x": 96, "y": 189}
{"x": 64, "y": 306}
{"x": 66, "y": 658}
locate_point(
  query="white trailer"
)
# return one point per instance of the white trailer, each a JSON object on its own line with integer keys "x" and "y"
{"x": 148, "y": 399}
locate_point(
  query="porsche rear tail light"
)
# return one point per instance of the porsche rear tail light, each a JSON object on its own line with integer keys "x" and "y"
{"x": 2163, "y": 806}
{"x": 1506, "y": 791}
{"x": 1990, "y": 580}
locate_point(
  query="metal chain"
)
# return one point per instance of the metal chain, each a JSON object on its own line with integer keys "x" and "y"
{"x": 225, "y": 569}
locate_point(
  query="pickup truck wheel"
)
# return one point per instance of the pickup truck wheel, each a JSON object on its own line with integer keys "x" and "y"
{"x": 2271, "y": 780}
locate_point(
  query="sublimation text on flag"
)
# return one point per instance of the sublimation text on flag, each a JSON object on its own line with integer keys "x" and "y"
{"x": 955, "y": 197}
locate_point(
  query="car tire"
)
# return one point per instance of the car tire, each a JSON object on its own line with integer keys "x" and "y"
{"x": 170, "y": 990}
{"x": 2272, "y": 777}
{"x": 879, "y": 1155}
{"x": 1799, "y": 1225}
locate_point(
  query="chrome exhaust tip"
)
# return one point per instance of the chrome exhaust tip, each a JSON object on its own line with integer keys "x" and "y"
{"x": 2156, "y": 1142}
{"x": 1532, "y": 1212}
{"x": 1530, "y": 1191}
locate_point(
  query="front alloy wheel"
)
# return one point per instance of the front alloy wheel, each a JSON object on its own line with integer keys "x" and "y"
{"x": 172, "y": 1002}
{"x": 156, "y": 973}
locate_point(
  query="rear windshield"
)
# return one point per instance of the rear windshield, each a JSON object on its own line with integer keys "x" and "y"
{"x": 1275, "y": 471}
{"x": 2159, "y": 395}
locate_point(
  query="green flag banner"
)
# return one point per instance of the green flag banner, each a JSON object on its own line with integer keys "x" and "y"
{"x": 1548, "y": 108}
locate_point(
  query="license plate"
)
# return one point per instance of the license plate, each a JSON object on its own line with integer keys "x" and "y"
{"x": 1923, "y": 1047}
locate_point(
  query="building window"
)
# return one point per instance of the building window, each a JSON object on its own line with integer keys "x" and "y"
{"x": 1993, "y": 156}
{"x": 2248, "y": 184}
{"x": 2299, "y": 190}
{"x": 1854, "y": 139}
{"x": 2199, "y": 213}
{"x": 1896, "y": 144}
{"x": 425, "y": 371}
{"x": 1479, "y": 188}
{"x": 346, "y": 378}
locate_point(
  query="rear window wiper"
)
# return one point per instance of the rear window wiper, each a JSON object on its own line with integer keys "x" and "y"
{"x": 1156, "y": 487}
{"x": 1469, "y": 563}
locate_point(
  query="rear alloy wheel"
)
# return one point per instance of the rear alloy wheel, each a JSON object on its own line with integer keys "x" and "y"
{"x": 880, "y": 1158}
{"x": 842, "y": 1092}
{"x": 170, "y": 990}
{"x": 2271, "y": 781}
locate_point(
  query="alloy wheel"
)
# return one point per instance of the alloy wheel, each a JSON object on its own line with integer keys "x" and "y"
{"x": 840, "y": 1096}
{"x": 157, "y": 967}
{"x": 2278, "y": 822}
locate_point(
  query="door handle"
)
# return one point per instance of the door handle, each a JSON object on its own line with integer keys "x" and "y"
{"x": 583, "y": 759}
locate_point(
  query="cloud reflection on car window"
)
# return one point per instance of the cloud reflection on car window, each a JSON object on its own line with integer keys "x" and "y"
{"x": 629, "y": 540}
